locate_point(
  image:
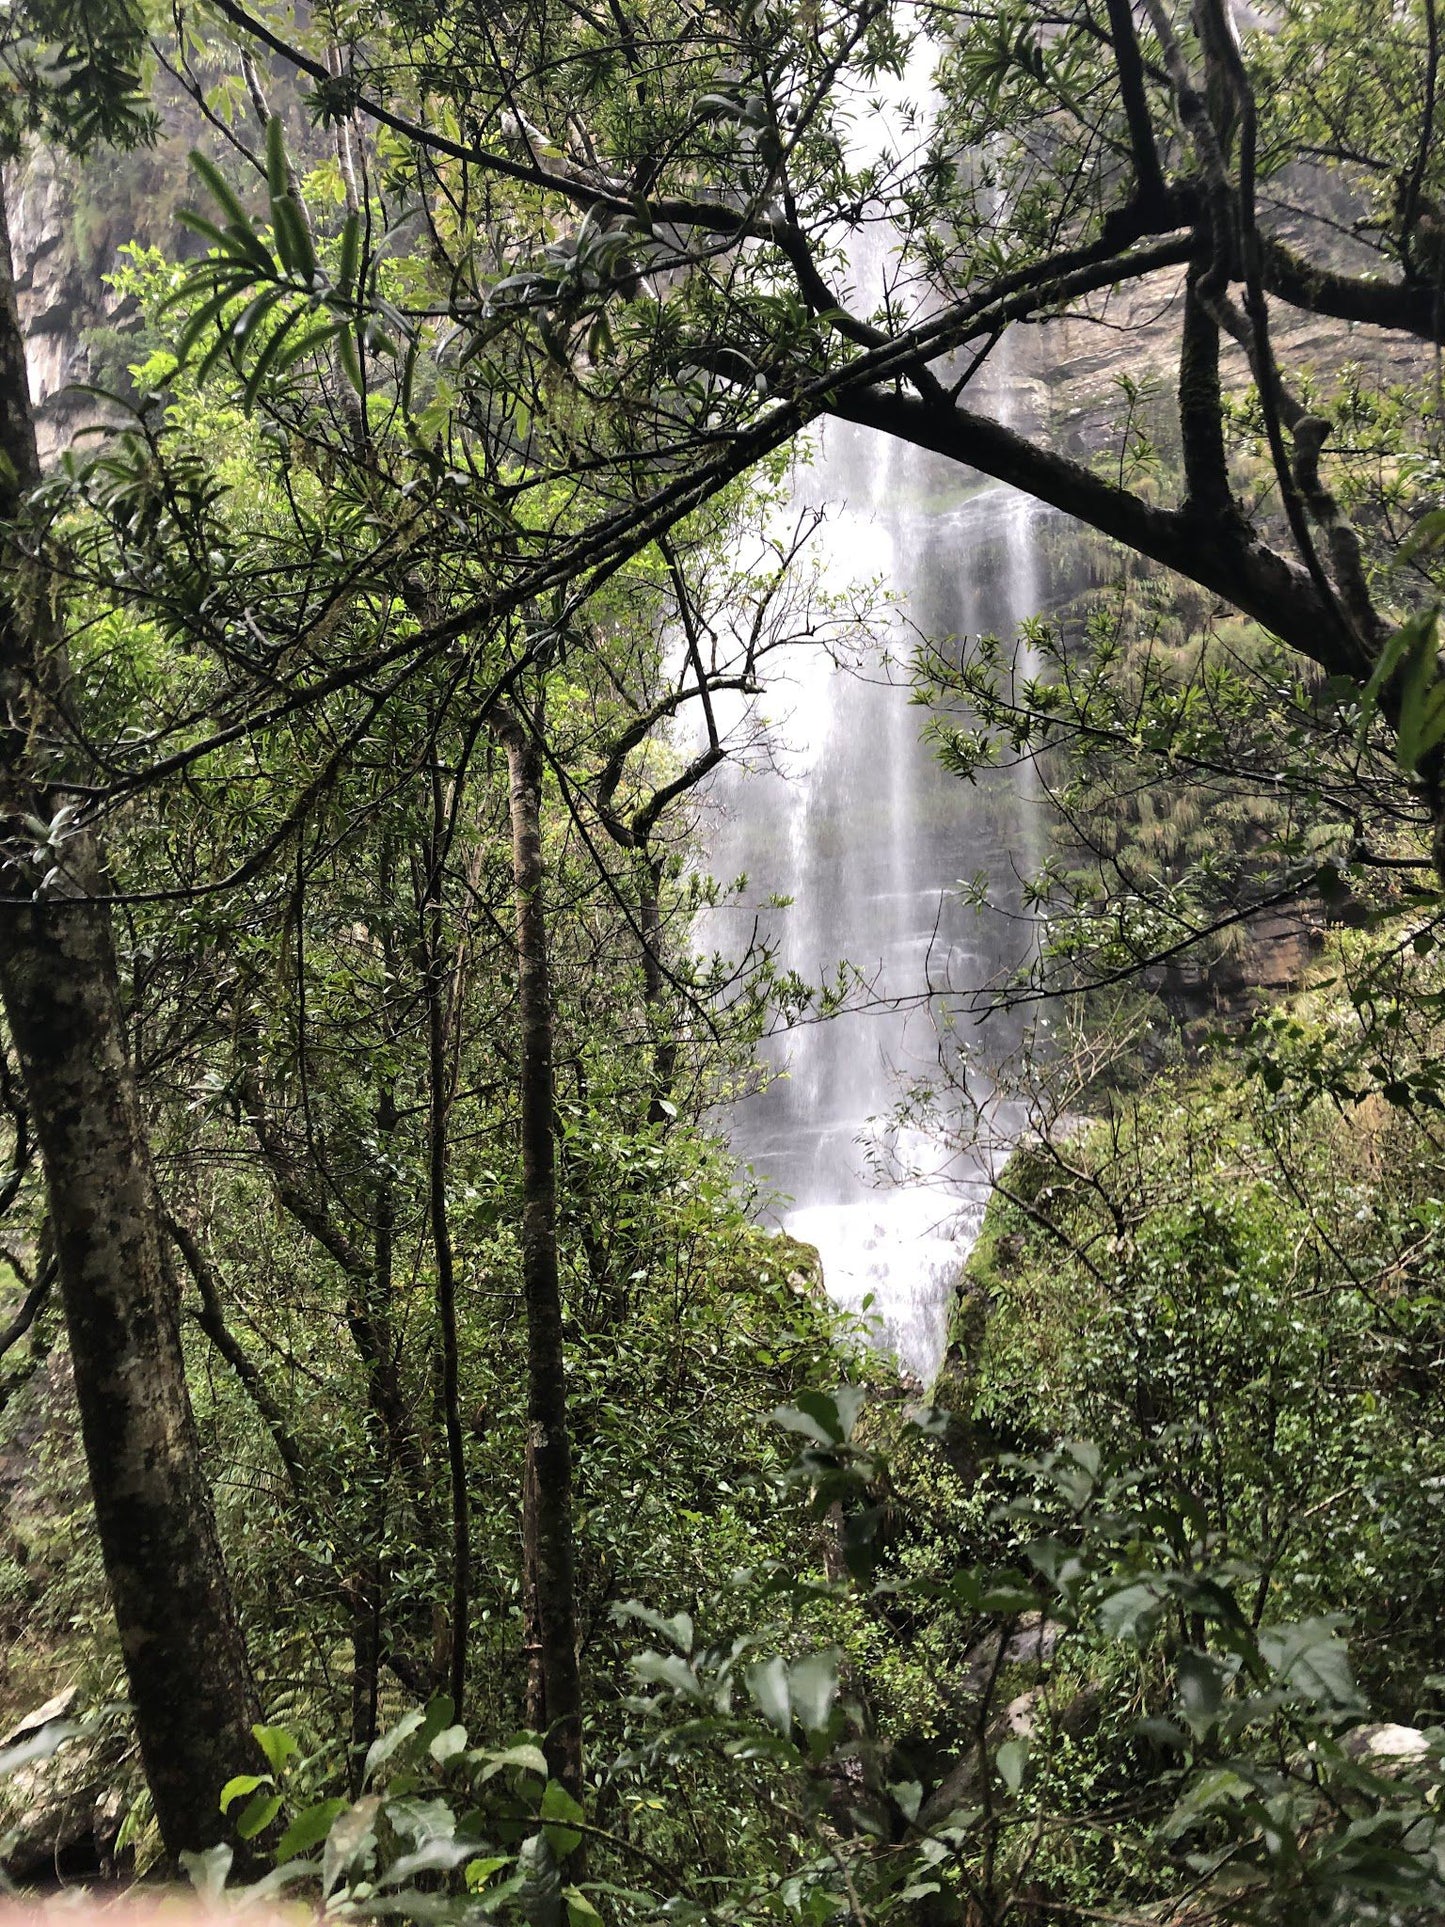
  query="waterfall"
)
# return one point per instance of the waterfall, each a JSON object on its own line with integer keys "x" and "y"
{"x": 855, "y": 821}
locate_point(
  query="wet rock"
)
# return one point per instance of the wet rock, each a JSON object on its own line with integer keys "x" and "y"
{"x": 61, "y": 1812}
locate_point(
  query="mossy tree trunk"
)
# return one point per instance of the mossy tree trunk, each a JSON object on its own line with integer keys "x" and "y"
{"x": 555, "y": 1693}
{"x": 190, "y": 1685}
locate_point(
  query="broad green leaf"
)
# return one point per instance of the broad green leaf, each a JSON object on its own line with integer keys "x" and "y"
{"x": 1201, "y": 1687}
{"x": 278, "y": 1745}
{"x": 560, "y": 1814}
{"x": 242, "y": 1785}
{"x": 529, "y": 1758}
{"x": 908, "y": 1794}
{"x": 308, "y": 1829}
{"x": 290, "y": 1873}
{"x": 768, "y": 1684}
{"x": 440, "y": 1713}
{"x": 382, "y": 1748}
{"x": 678, "y": 1630}
{"x": 421, "y": 1819}
{"x": 540, "y": 1883}
{"x": 434, "y": 1856}
{"x": 812, "y": 1688}
{"x": 1128, "y": 1613}
{"x": 1313, "y": 1659}
{"x": 260, "y": 1810}
{"x": 207, "y": 1871}
{"x": 1011, "y": 1760}
{"x": 352, "y": 1833}
{"x": 669, "y": 1669}
{"x": 480, "y": 1870}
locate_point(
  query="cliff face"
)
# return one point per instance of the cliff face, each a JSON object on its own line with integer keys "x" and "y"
{"x": 68, "y": 222}
{"x": 60, "y": 300}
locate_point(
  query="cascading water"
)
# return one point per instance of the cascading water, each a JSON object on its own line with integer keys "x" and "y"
{"x": 871, "y": 840}
{"x": 860, "y": 827}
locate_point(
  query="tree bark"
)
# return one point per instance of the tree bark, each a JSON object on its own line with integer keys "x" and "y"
{"x": 548, "y": 1559}
{"x": 190, "y": 1685}
{"x": 432, "y": 960}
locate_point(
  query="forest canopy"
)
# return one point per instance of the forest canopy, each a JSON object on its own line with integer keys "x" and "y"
{"x": 480, "y": 1514}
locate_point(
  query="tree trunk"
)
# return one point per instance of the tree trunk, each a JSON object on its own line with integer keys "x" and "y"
{"x": 548, "y": 1560}
{"x": 432, "y": 960}
{"x": 190, "y": 1686}
{"x": 654, "y": 985}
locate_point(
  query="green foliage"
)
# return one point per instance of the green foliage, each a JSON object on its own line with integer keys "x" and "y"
{"x": 74, "y": 71}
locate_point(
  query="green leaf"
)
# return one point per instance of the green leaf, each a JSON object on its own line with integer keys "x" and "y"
{"x": 207, "y": 1871}
{"x": 293, "y": 239}
{"x": 270, "y": 355}
{"x": 1129, "y": 1613}
{"x": 580, "y": 1911}
{"x": 308, "y": 1829}
{"x": 909, "y": 1797}
{"x": 527, "y": 1757}
{"x": 277, "y": 1744}
{"x": 437, "y": 1855}
{"x": 480, "y": 1871}
{"x": 813, "y": 1687}
{"x": 246, "y": 241}
{"x": 351, "y": 1834}
{"x": 278, "y": 174}
{"x": 220, "y": 189}
{"x": 243, "y": 1784}
{"x": 560, "y": 1814}
{"x": 260, "y": 1810}
{"x": 381, "y": 1750}
{"x": 678, "y": 1630}
{"x": 827, "y": 1418}
{"x": 540, "y": 1885}
{"x": 306, "y": 344}
{"x": 1313, "y": 1659}
{"x": 347, "y": 356}
{"x": 350, "y": 255}
{"x": 1011, "y": 1760}
{"x": 210, "y": 312}
{"x": 768, "y": 1684}
{"x": 1201, "y": 1687}
{"x": 1427, "y": 535}
{"x": 669, "y": 1669}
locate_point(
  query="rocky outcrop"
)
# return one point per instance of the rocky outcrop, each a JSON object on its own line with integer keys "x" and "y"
{"x": 60, "y": 302}
{"x": 63, "y": 1795}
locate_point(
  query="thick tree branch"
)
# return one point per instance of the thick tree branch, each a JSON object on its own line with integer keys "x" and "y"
{"x": 1396, "y": 305}
{"x": 1129, "y": 63}
{"x": 1229, "y": 561}
{"x": 30, "y": 1306}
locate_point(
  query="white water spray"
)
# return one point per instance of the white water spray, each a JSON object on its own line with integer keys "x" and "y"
{"x": 860, "y": 827}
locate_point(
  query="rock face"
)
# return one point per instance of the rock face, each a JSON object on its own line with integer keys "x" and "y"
{"x": 59, "y": 302}
{"x": 68, "y": 222}
{"x": 62, "y": 1807}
